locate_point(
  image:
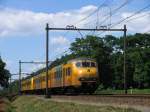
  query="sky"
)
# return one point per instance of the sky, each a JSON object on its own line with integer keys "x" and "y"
{"x": 22, "y": 26}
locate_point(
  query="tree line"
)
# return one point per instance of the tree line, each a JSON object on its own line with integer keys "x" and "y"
{"x": 108, "y": 52}
{"x": 4, "y": 74}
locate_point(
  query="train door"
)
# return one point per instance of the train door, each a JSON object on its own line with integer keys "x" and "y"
{"x": 43, "y": 83}
{"x": 32, "y": 83}
{"x": 37, "y": 83}
{"x": 68, "y": 76}
{"x": 50, "y": 80}
{"x": 63, "y": 77}
{"x": 58, "y": 76}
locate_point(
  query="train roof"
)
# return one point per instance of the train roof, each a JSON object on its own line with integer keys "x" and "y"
{"x": 44, "y": 69}
{"x": 35, "y": 73}
{"x": 82, "y": 58}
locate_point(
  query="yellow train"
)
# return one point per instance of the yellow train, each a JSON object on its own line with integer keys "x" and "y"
{"x": 77, "y": 75}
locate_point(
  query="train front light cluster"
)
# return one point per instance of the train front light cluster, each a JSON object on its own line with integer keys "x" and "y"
{"x": 80, "y": 71}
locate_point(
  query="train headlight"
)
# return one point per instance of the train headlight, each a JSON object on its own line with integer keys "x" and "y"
{"x": 80, "y": 71}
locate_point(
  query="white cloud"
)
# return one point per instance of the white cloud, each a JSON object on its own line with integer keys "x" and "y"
{"x": 15, "y": 22}
{"x": 139, "y": 23}
{"x": 58, "y": 45}
{"x": 34, "y": 68}
{"x": 59, "y": 41}
{"x": 24, "y": 22}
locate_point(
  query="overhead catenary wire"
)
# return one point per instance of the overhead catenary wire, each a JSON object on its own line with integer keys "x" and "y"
{"x": 137, "y": 12}
{"x": 138, "y": 17}
{"x": 134, "y": 14}
{"x": 113, "y": 12}
{"x": 97, "y": 21}
{"x": 83, "y": 19}
{"x": 92, "y": 13}
{"x": 80, "y": 33}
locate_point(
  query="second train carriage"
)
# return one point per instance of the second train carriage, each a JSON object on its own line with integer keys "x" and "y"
{"x": 77, "y": 75}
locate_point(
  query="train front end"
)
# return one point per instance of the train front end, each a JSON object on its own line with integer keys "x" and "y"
{"x": 87, "y": 74}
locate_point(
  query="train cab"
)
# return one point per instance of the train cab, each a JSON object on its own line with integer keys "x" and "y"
{"x": 85, "y": 73}
{"x": 87, "y": 70}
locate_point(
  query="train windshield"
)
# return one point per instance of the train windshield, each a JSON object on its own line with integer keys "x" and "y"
{"x": 85, "y": 64}
{"x": 93, "y": 64}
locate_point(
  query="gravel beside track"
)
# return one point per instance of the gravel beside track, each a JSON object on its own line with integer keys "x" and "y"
{"x": 140, "y": 102}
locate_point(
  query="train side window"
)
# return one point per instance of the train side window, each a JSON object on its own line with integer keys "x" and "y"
{"x": 43, "y": 78}
{"x": 63, "y": 71}
{"x": 66, "y": 71}
{"x": 55, "y": 74}
{"x": 93, "y": 64}
{"x": 40, "y": 78}
{"x": 60, "y": 74}
{"x": 69, "y": 71}
{"x": 49, "y": 77}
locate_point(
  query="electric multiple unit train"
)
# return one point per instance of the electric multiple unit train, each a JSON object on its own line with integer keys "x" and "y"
{"x": 77, "y": 75}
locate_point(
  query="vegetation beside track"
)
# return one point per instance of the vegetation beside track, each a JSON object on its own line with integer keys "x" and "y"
{"x": 6, "y": 106}
{"x": 108, "y": 52}
{"x": 37, "y": 104}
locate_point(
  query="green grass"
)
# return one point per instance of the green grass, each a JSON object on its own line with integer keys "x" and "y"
{"x": 6, "y": 106}
{"x": 36, "y": 104}
{"x": 130, "y": 91}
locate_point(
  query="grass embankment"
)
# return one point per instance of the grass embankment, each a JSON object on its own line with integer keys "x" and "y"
{"x": 36, "y": 104}
{"x": 130, "y": 91}
{"x": 5, "y": 105}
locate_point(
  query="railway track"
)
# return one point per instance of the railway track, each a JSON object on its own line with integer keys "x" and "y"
{"x": 112, "y": 95}
{"x": 140, "y": 101}
{"x": 136, "y": 99}
{"x": 101, "y": 95}
{"x": 123, "y": 95}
